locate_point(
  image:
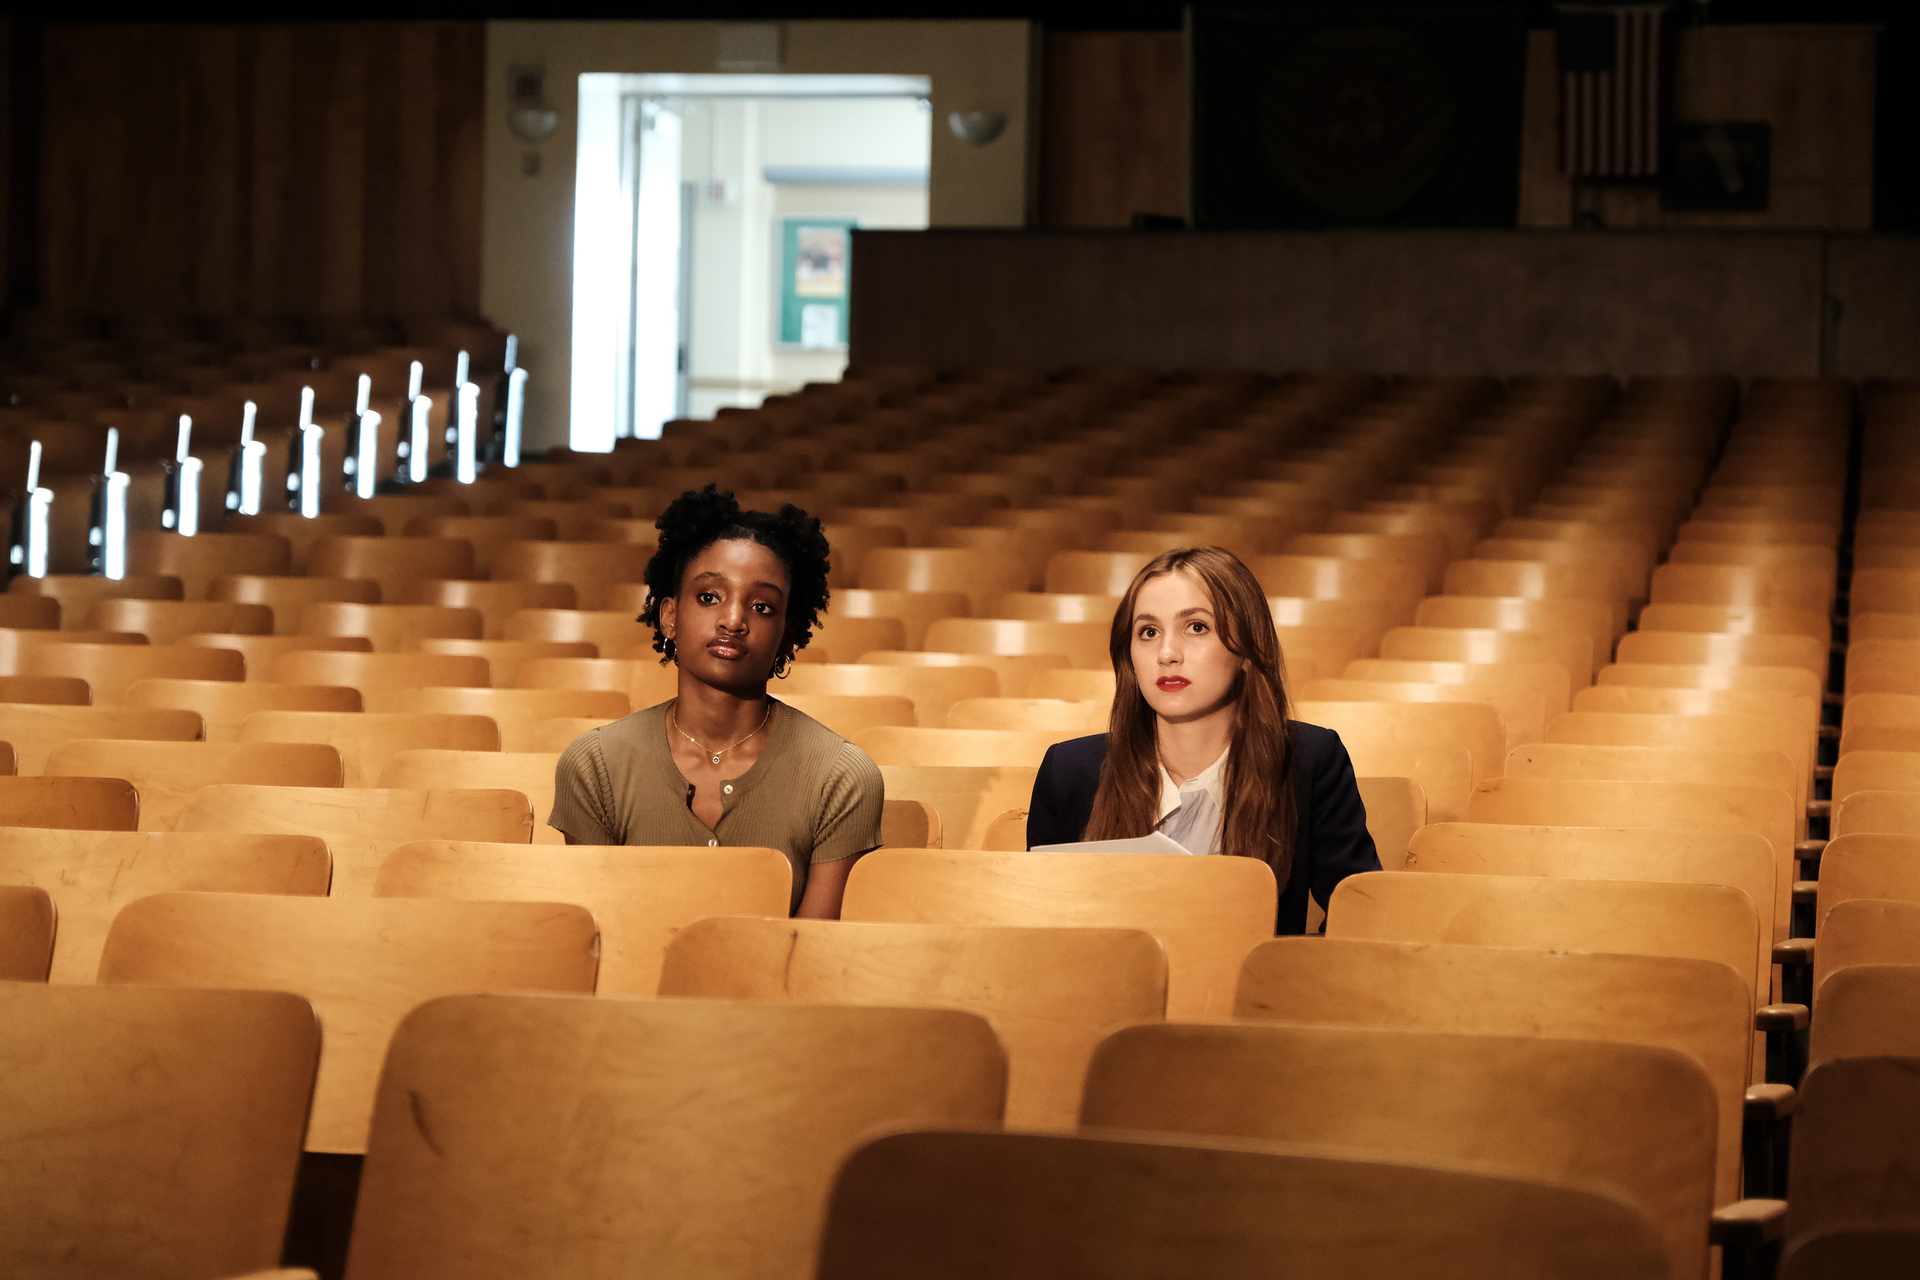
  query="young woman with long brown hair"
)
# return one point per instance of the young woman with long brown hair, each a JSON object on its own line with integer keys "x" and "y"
{"x": 1199, "y": 745}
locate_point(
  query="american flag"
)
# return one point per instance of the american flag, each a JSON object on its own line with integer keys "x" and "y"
{"x": 1612, "y": 92}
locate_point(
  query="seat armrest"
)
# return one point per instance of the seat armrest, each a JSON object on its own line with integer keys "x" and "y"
{"x": 1806, "y": 891}
{"x": 1781, "y": 1017}
{"x": 1794, "y": 951}
{"x": 1747, "y": 1224}
{"x": 1766, "y": 1134}
{"x": 1819, "y": 808}
{"x": 1808, "y": 852}
{"x": 1795, "y": 958}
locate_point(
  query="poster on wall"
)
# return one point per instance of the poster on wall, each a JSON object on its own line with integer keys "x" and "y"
{"x": 814, "y": 261}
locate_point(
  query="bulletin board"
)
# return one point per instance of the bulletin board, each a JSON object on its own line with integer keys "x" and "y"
{"x": 815, "y": 261}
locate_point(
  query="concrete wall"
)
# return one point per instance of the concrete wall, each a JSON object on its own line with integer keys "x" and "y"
{"x": 1496, "y": 302}
{"x": 527, "y": 219}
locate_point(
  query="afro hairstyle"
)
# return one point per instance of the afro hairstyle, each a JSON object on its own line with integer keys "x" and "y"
{"x": 695, "y": 521}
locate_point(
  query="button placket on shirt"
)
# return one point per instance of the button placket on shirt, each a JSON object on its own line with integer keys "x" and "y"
{"x": 727, "y": 791}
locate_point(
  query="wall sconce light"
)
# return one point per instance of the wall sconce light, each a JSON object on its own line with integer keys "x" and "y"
{"x": 530, "y": 118}
{"x": 976, "y": 128}
{"x": 533, "y": 124}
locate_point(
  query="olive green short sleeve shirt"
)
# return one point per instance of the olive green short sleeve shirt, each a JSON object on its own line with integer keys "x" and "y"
{"x": 812, "y": 794}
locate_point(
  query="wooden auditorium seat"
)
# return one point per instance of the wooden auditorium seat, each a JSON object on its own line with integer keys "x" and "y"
{"x": 485, "y": 533}
{"x": 851, "y": 638}
{"x": 693, "y": 1099}
{"x": 151, "y": 1131}
{"x": 1637, "y": 1119}
{"x": 364, "y": 964}
{"x": 303, "y": 532}
{"x": 166, "y": 773}
{"x": 1051, "y": 994}
{"x": 223, "y": 704}
{"x": 1855, "y": 1129}
{"x": 396, "y": 563}
{"x": 517, "y": 712}
{"x": 847, "y": 715}
{"x": 198, "y": 561}
{"x": 1571, "y": 651}
{"x": 91, "y": 875}
{"x": 496, "y": 602}
{"x": 27, "y": 918}
{"x": 916, "y": 611}
{"x": 95, "y": 801}
{"x": 978, "y": 576}
{"x": 164, "y": 622}
{"x": 1207, "y": 912}
{"x": 445, "y": 769}
{"x": 76, "y": 593}
{"x": 34, "y": 731}
{"x": 896, "y": 745}
{"x": 1700, "y": 1008}
{"x": 947, "y": 1205}
{"x": 109, "y": 669}
{"x": 391, "y": 628}
{"x": 365, "y": 740}
{"x": 288, "y": 598}
{"x": 381, "y": 678}
{"x": 645, "y": 681}
{"x": 361, "y": 826}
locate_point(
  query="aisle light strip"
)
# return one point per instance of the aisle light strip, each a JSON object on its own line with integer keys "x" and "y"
{"x": 39, "y": 503}
{"x": 187, "y": 496}
{"x": 363, "y": 392}
{"x": 516, "y": 402}
{"x": 113, "y": 501}
{"x": 461, "y": 365}
{"x": 415, "y": 373}
{"x": 252, "y": 463}
{"x": 369, "y": 448}
{"x": 417, "y": 450}
{"x": 310, "y": 471}
{"x": 469, "y": 430}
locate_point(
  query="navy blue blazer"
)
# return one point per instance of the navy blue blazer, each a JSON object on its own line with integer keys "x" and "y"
{"x": 1330, "y": 834}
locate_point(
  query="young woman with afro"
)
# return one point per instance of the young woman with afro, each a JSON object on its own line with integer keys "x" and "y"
{"x": 732, "y": 595}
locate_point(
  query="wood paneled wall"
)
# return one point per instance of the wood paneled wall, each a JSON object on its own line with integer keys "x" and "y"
{"x": 314, "y": 169}
{"x": 1417, "y": 302}
{"x": 1813, "y": 84}
{"x": 1115, "y": 122}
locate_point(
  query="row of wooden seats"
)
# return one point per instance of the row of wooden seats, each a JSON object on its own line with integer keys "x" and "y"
{"x": 791, "y": 1163}
{"x": 1524, "y": 913}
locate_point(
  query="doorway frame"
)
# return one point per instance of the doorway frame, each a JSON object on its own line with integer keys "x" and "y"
{"x": 527, "y": 217}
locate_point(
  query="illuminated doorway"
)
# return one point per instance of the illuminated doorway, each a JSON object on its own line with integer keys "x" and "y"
{"x": 713, "y": 234}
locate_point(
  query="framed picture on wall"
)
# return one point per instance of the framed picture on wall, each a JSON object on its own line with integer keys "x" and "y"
{"x": 815, "y": 259}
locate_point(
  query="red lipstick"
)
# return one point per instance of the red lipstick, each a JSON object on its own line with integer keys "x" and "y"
{"x": 1171, "y": 683}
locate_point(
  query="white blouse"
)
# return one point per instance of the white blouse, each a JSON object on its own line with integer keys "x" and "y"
{"x": 1191, "y": 812}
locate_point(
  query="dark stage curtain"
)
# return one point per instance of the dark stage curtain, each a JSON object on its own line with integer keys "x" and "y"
{"x": 1357, "y": 113}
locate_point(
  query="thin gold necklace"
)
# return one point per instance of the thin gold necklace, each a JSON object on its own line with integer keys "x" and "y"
{"x": 674, "y": 716}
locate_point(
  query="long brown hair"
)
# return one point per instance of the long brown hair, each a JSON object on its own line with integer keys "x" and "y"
{"x": 1259, "y": 819}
